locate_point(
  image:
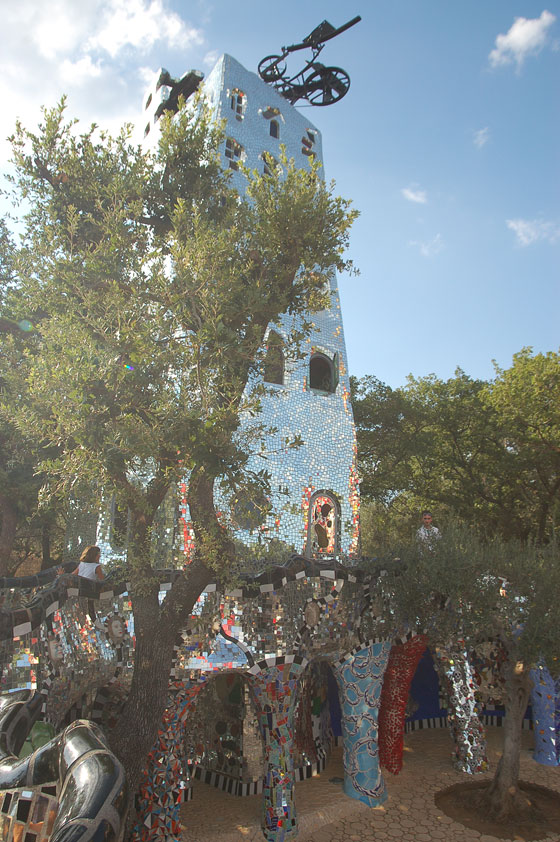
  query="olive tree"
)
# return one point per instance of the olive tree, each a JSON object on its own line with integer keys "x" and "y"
{"x": 461, "y": 587}
{"x": 151, "y": 284}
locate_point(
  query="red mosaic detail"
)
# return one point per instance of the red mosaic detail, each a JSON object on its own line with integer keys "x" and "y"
{"x": 403, "y": 661}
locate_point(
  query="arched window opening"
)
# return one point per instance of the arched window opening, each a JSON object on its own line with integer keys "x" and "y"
{"x": 322, "y": 375}
{"x": 234, "y": 151}
{"x": 274, "y": 129}
{"x": 237, "y": 103}
{"x": 323, "y": 527}
{"x": 274, "y": 360}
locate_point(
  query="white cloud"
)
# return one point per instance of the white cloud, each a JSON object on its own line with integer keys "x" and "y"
{"x": 140, "y": 24}
{"x": 211, "y": 58}
{"x": 530, "y": 231}
{"x": 57, "y": 28}
{"x": 414, "y": 195}
{"x": 146, "y": 74}
{"x": 75, "y": 73}
{"x": 481, "y": 137}
{"x": 96, "y": 51}
{"x": 525, "y": 37}
{"x": 430, "y": 248}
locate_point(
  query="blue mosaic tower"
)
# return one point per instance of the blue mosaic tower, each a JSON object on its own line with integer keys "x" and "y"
{"x": 314, "y": 500}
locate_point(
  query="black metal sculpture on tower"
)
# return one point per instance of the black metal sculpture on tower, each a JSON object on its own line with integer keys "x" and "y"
{"x": 318, "y": 84}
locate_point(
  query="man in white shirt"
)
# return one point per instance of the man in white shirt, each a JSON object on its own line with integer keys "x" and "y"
{"x": 428, "y": 533}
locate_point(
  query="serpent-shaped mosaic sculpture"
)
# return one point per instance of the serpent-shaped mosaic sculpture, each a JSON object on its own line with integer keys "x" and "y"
{"x": 71, "y": 788}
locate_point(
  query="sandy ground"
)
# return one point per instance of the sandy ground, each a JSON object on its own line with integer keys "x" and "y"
{"x": 326, "y": 814}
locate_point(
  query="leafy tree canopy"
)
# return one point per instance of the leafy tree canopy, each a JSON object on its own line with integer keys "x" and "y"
{"x": 464, "y": 591}
{"x": 484, "y": 452}
{"x": 151, "y": 284}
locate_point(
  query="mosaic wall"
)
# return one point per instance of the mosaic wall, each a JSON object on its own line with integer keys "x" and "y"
{"x": 222, "y": 734}
{"x": 310, "y": 402}
{"x": 164, "y": 785}
{"x": 459, "y": 685}
{"x": 403, "y": 661}
{"x": 545, "y": 700}
{"x": 275, "y": 687}
{"x": 248, "y": 704}
{"x": 71, "y": 656}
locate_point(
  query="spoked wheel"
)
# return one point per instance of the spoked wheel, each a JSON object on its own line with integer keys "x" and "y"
{"x": 272, "y": 68}
{"x": 326, "y": 85}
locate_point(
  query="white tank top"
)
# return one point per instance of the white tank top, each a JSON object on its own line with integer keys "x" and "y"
{"x": 87, "y": 569}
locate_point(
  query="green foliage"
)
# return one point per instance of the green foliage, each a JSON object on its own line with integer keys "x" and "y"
{"x": 526, "y": 398}
{"x": 151, "y": 284}
{"x": 384, "y": 527}
{"x": 487, "y": 453}
{"x": 467, "y": 587}
{"x": 27, "y": 531}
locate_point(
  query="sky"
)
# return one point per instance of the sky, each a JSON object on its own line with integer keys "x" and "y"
{"x": 447, "y": 143}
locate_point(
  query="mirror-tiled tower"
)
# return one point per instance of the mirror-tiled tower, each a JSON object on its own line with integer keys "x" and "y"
{"x": 314, "y": 499}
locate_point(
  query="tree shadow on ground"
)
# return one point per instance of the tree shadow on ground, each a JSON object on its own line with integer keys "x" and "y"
{"x": 463, "y": 803}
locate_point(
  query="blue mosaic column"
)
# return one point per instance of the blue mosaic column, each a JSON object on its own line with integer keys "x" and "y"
{"x": 360, "y": 675}
{"x": 274, "y": 686}
{"x": 545, "y": 701}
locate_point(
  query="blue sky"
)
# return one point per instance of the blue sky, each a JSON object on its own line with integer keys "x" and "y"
{"x": 447, "y": 142}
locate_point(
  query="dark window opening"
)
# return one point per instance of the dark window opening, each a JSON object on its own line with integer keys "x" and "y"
{"x": 274, "y": 129}
{"x": 270, "y": 163}
{"x": 308, "y": 143}
{"x": 237, "y": 103}
{"x": 233, "y": 153}
{"x": 147, "y": 130}
{"x": 274, "y": 360}
{"x": 148, "y": 101}
{"x": 322, "y": 373}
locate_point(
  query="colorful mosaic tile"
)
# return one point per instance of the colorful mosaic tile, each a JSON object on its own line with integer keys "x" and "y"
{"x": 467, "y": 730}
{"x": 403, "y": 661}
{"x": 274, "y": 684}
{"x": 545, "y": 701}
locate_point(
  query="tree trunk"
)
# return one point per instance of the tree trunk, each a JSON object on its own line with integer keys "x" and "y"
{"x": 542, "y": 521}
{"x": 156, "y": 628}
{"x": 134, "y": 735}
{"x": 46, "y": 560}
{"x": 505, "y": 801}
{"x": 212, "y": 539}
{"x": 7, "y": 533}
